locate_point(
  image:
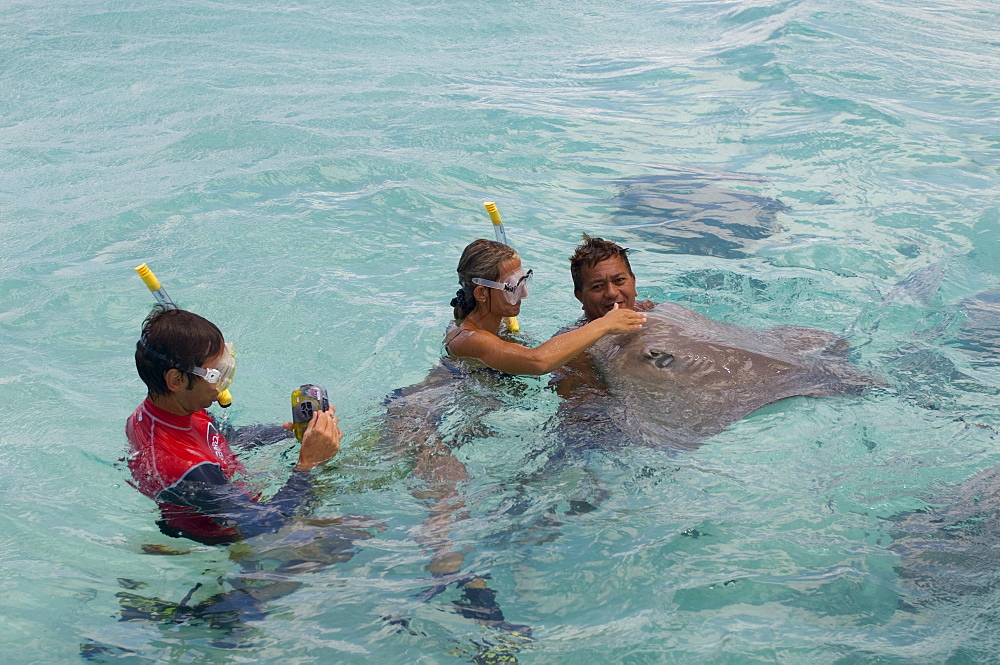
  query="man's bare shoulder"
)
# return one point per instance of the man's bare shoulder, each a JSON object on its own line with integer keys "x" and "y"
{"x": 578, "y": 375}
{"x": 582, "y": 321}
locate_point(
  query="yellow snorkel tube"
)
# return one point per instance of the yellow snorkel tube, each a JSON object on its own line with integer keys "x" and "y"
{"x": 160, "y": 294}
{"x": 491, "y": 208}
{"x": 153, "y": 284}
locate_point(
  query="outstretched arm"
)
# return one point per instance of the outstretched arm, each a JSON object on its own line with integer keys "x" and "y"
{"x": 516, "y": 359}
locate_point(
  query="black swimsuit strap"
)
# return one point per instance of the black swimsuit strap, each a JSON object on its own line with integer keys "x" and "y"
{"x": 452, "y": 336}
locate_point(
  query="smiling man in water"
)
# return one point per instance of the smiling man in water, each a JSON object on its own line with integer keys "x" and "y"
{"x": 603, "y": 277}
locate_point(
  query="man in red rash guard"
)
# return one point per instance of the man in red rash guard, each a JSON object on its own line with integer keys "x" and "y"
{"x": 179, "y": 458}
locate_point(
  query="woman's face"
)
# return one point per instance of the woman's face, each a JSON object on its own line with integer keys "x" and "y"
{"x": 496, "y": 302}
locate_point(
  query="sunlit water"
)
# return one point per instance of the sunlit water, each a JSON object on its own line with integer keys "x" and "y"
{"x": 306, "y": 175}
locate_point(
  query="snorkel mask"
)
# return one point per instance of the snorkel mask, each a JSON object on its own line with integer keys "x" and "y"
{"x": 222, "y": 376}
{"x": 514, "y": 289}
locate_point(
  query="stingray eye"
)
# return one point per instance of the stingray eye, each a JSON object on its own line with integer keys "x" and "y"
{"x": 661, "y": 359}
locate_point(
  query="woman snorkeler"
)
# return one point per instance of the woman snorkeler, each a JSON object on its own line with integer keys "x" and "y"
{"x": 493, "y": 283}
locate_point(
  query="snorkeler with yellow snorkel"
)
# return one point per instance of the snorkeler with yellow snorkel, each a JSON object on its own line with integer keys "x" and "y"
{"x": 178, "y": 457}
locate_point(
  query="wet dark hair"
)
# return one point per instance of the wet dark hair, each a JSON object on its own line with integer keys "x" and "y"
{"x": 482, "y": 259}
{"x": 591, "y": 252}
{"x": 174, "y": 339}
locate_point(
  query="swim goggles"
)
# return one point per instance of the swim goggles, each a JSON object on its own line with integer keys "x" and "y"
{"x": 222, "y": 376}
{"x": 515, "y": 288}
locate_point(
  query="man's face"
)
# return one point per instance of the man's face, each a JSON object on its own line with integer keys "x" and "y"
{"x": 606, "y": 283}
{"x": 198, "y": 394}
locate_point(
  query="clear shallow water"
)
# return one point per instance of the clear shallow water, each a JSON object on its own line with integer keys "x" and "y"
{"x": 306, "y": 176}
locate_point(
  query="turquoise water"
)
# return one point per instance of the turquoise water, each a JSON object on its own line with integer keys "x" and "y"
{"x": 306, "y": 175}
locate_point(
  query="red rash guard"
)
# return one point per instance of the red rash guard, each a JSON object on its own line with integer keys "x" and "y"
{"x": 186, "y": 466}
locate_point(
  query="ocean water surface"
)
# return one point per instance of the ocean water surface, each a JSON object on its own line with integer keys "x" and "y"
{"x": 306, "y": 174}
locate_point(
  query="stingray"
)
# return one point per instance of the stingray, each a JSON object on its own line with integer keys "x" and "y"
{"x": 948, "y": 551}
{"x": 979, "y": 333}
{"x": 950, "y": 364}
{"x": 978, "y": 316}
{"x": 686, "y": 211}
{"x": 684, "y": 377}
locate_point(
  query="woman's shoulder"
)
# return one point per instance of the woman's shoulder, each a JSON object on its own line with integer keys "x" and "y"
{"x": 457, "y": 328}
{"x": 454, "y": 333}
{"x": 471, "y": 343}
{"x": 456, "y": 339}
{"x": 455, "y": 358}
